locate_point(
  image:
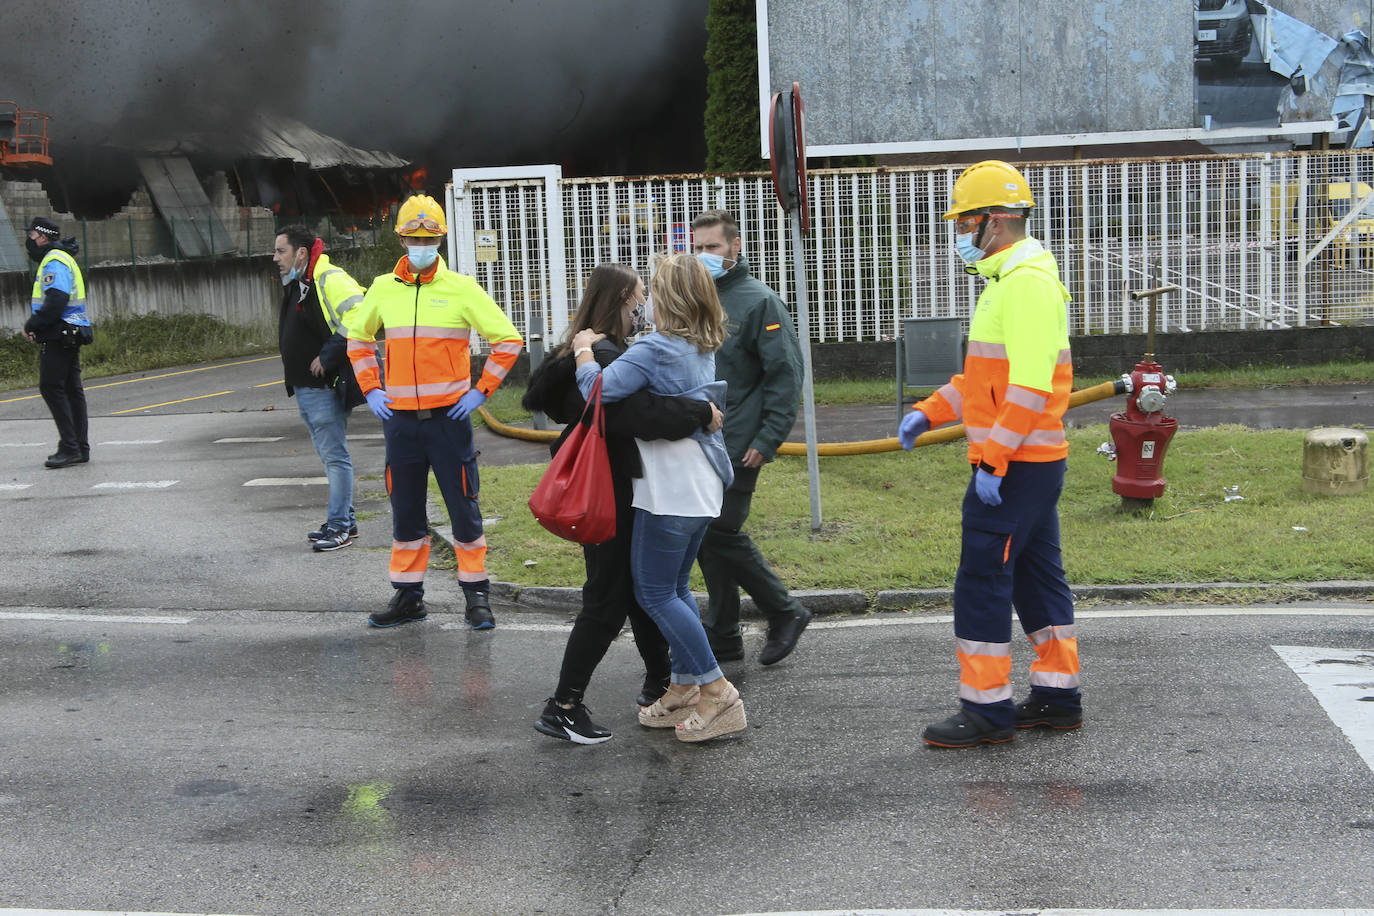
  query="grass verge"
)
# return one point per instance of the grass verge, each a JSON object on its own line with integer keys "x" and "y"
{"x": 141, "y": 343}
{"x": 891, "y": 520}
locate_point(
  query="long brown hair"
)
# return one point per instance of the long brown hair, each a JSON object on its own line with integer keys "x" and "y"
{"x": 685, "y": 302}
{"x": 603, "y": 301}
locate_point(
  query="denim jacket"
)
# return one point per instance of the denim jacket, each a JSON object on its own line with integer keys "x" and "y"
{"x": 665, "y": 365}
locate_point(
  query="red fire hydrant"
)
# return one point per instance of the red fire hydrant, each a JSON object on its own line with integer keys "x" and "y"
{"x": 1141, "y": 435}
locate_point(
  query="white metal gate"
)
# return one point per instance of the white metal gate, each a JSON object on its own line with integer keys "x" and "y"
{"x": 1252, "y": 241}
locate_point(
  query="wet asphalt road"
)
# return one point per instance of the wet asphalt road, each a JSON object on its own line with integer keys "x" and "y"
{"x": 251, "y": 748}
{"x": 289, "y": 763}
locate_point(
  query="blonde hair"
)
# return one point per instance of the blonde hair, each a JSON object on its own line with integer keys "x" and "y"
{"x": 685, "y": 302}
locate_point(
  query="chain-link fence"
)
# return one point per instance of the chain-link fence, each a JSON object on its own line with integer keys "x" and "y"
{"x": 1251, "y": 241}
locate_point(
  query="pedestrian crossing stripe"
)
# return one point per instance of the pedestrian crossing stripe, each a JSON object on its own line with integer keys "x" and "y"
{"x": 134, "y": 485}
{"x": 285, "y": 481}
{"x": 239, "y": 439}
{"x": 1342, "y": 680}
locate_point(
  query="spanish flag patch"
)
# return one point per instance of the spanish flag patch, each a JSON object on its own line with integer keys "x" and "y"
{"x": 771, "y": 327}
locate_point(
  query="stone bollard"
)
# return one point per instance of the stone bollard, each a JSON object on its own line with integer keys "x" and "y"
{"x": 1335, "y": 460}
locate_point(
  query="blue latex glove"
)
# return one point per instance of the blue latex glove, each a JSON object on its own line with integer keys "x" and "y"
{"x": 466, "y": 405}
{"x": 379, "y": 402}
{"x": 989, "y": 488}
{"x": 912, "y": 425}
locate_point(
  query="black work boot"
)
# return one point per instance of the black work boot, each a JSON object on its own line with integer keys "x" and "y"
{"x": 406, "y": 605}
{"x": 62, "y": 459}
{"x": 478, "y": 614}
{"x": 965, "y": 729}
{"x": 1033, "y": 712}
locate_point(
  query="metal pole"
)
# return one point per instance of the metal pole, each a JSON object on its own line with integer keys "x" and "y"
{"x": 813, "y": 470}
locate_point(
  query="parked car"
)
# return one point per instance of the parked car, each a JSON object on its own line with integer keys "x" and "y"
{"x": 1222, "y": 31}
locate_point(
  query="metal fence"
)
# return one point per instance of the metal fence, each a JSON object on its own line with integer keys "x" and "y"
{"x": 1252, "y": 241}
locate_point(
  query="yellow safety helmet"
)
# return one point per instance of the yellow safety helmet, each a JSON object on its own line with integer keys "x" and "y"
{"x": 991, "y": 183}
{"x": 421, "y": 215}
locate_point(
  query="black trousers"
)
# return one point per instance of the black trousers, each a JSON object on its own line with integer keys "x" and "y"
{"x": 730, "y": 560}
{"x": 59, "y": 381}
{"x": 608, "y": 598}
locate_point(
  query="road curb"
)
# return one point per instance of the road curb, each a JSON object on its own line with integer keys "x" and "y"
{"x": 857, "y": 601}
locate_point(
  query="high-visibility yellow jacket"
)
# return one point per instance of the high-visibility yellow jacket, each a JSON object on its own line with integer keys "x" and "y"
{"x": 428, "y": 319}
{"x": 1017, "y": 373}
{"x": 337, "y": 291}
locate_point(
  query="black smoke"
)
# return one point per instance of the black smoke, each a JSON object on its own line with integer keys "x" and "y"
{"x": 598, "y": 86}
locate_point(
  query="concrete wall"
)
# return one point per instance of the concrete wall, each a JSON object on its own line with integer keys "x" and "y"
{"x": 879, "y": 71}
{"x": 241, "y": 291}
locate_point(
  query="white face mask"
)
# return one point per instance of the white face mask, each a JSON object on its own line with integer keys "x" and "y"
{"x": 421, "y": 256}
{"x": 642, "y": 317}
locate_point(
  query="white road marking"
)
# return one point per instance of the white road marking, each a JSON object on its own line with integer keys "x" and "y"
{"x": 285, "y": 481}
{"x": 133, "y": 485}
{"x": 132, "y": 442}
{"x": 5, "y": 912}
{"x": 525, "y": 627}
{"x": 232, "y": 439}
{"x": 89, "y": 618}
{"x": 367, "y": 436}
{"x": 1342, "y": 680}
{"x": 15, "y": 486}
{"x": 21, "y": 444}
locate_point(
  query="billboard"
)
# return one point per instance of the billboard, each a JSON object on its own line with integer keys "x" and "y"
{"x": 942, "y": 75}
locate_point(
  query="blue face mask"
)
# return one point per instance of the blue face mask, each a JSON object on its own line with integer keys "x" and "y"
{"x": 293, "y": 274}
{"x": 421, "y": 256}
{"x": 714, "y": 263}
{"x": 970, "y": 252}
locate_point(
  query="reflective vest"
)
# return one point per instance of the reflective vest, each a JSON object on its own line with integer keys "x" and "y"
{"x": 336, "y": 290}
{"x": 75, "y": 312}
{"x": 429, "y": 319}
{"x": 1017, "y": 373}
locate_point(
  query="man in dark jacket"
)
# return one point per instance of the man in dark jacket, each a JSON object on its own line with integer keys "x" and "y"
{"x": 315, "y": 297}
{"x": 59, "y": 326}
{"x": 761, "y": 362}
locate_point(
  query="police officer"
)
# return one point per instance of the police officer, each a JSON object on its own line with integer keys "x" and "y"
{"x": 1011, "y": 397}
{"x": 60, "y": 327}
{"x": 429, "y": 313}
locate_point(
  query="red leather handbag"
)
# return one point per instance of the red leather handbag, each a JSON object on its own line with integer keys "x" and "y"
{"x": 575, "y": 499}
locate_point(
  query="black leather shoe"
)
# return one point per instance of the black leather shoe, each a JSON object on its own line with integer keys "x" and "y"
{"x": 405, "y": 606}
{"x": 1032, "y": 712}
{"x": 782, "y": 638}
{"x": 478, "y": 614}
{"x": 62, "y": 459}
{"x": 965, "y": 729}
{"x": 85, "y": 456}
{"x": 653, "y": 688}
{"x": 725, "y": 650}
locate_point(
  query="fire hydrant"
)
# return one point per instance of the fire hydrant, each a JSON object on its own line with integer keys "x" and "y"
{"x": 1142, "y": 432}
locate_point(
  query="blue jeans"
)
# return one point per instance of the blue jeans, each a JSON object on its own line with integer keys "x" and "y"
{"x": 327, "y": 421}
{"x": 663, "y": 549}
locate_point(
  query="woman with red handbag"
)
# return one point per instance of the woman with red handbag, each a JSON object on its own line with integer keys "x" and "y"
{"x": 612, "y": 304}
{"x": 680, "y": 491}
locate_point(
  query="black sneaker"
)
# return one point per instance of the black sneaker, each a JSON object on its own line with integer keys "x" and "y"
{"x": 405, "y": 606}
{"x": 478, "y": 614}
{"x": 1032, "y": 712}
{"x": 334, "y": 539}
{"x": 573, "y": 725}
{"x": 323, "y": 531}
{"x": 965, "y": 729}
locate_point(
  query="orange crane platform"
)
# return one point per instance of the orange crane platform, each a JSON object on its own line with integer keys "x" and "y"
{"x": 23, "y": 136}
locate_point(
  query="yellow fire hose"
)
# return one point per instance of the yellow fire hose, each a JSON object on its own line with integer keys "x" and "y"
{"x": 830, "y": 449}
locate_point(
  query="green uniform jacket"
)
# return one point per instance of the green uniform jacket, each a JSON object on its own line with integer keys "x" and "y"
{"x": 760, "y": 361}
